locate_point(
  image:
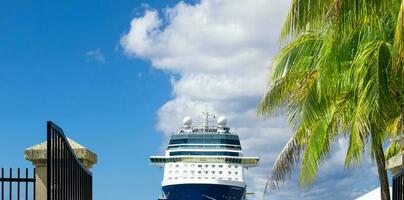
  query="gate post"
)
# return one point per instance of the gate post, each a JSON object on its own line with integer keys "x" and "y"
{"x": 396, "y": 165}
{"x": 38, "y": 156}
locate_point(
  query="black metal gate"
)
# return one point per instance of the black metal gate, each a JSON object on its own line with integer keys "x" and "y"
{"x": 68, "y": 179}
{"x": 17, "y": 187}
{"x": 398, "y": 186}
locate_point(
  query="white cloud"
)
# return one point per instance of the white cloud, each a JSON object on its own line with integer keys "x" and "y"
{"x": 96, "y": 55}
{"x": 220, "y": 53}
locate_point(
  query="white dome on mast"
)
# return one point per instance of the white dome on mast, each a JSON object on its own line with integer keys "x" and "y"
{"x": 187, "y": 121}
{"x": 221, "y": 121}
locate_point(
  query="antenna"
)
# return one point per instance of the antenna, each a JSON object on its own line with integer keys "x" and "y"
{"x": 205, "y": 119}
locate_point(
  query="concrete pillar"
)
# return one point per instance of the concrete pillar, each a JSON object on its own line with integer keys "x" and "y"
{"x": 38, "y": 156}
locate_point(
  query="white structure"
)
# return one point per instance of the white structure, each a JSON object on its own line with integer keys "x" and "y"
{"x": 372, "y": 195}
{"x": 204, "y": 162}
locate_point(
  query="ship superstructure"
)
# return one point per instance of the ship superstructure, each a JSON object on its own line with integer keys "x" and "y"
{"x": 204, "y": 162}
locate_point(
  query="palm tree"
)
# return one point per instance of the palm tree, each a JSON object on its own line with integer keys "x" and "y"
{"x": 340, "y": 74}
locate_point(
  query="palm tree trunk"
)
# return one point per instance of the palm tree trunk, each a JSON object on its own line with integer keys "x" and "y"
{"x": 381, "y": 168}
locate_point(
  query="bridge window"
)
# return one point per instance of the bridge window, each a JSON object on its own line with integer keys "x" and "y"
{"x": 205, "y": 139}
{"x": 201, "y": 146}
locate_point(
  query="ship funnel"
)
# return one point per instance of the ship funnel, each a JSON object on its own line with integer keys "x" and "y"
{"x": 221, "y": 122}
{"x": 187, "y": 121}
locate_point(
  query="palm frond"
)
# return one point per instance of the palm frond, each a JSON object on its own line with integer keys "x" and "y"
{"x": 392, "y": 150}
{"x": 296, "y": 55}
{"x": 393, "y": 127}
{"x": 343, "y": 15}
{"x": 277, "y": 95}
{"x": 398, "y": 53}
{"x": 284, "y": 163}
{"x": 317, "y": 149}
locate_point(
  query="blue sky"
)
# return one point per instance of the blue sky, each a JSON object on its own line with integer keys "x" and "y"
{"x": 110, "y": 107}
{"x": 119, "y": 76}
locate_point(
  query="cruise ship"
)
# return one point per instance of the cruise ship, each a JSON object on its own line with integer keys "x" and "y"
{"x": 204, "y": 163}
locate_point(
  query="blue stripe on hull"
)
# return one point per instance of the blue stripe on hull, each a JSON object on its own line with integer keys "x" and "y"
{"x": 203, "y": 192}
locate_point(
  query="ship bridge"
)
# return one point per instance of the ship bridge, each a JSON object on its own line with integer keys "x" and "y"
{"x": 205, "y": 143}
